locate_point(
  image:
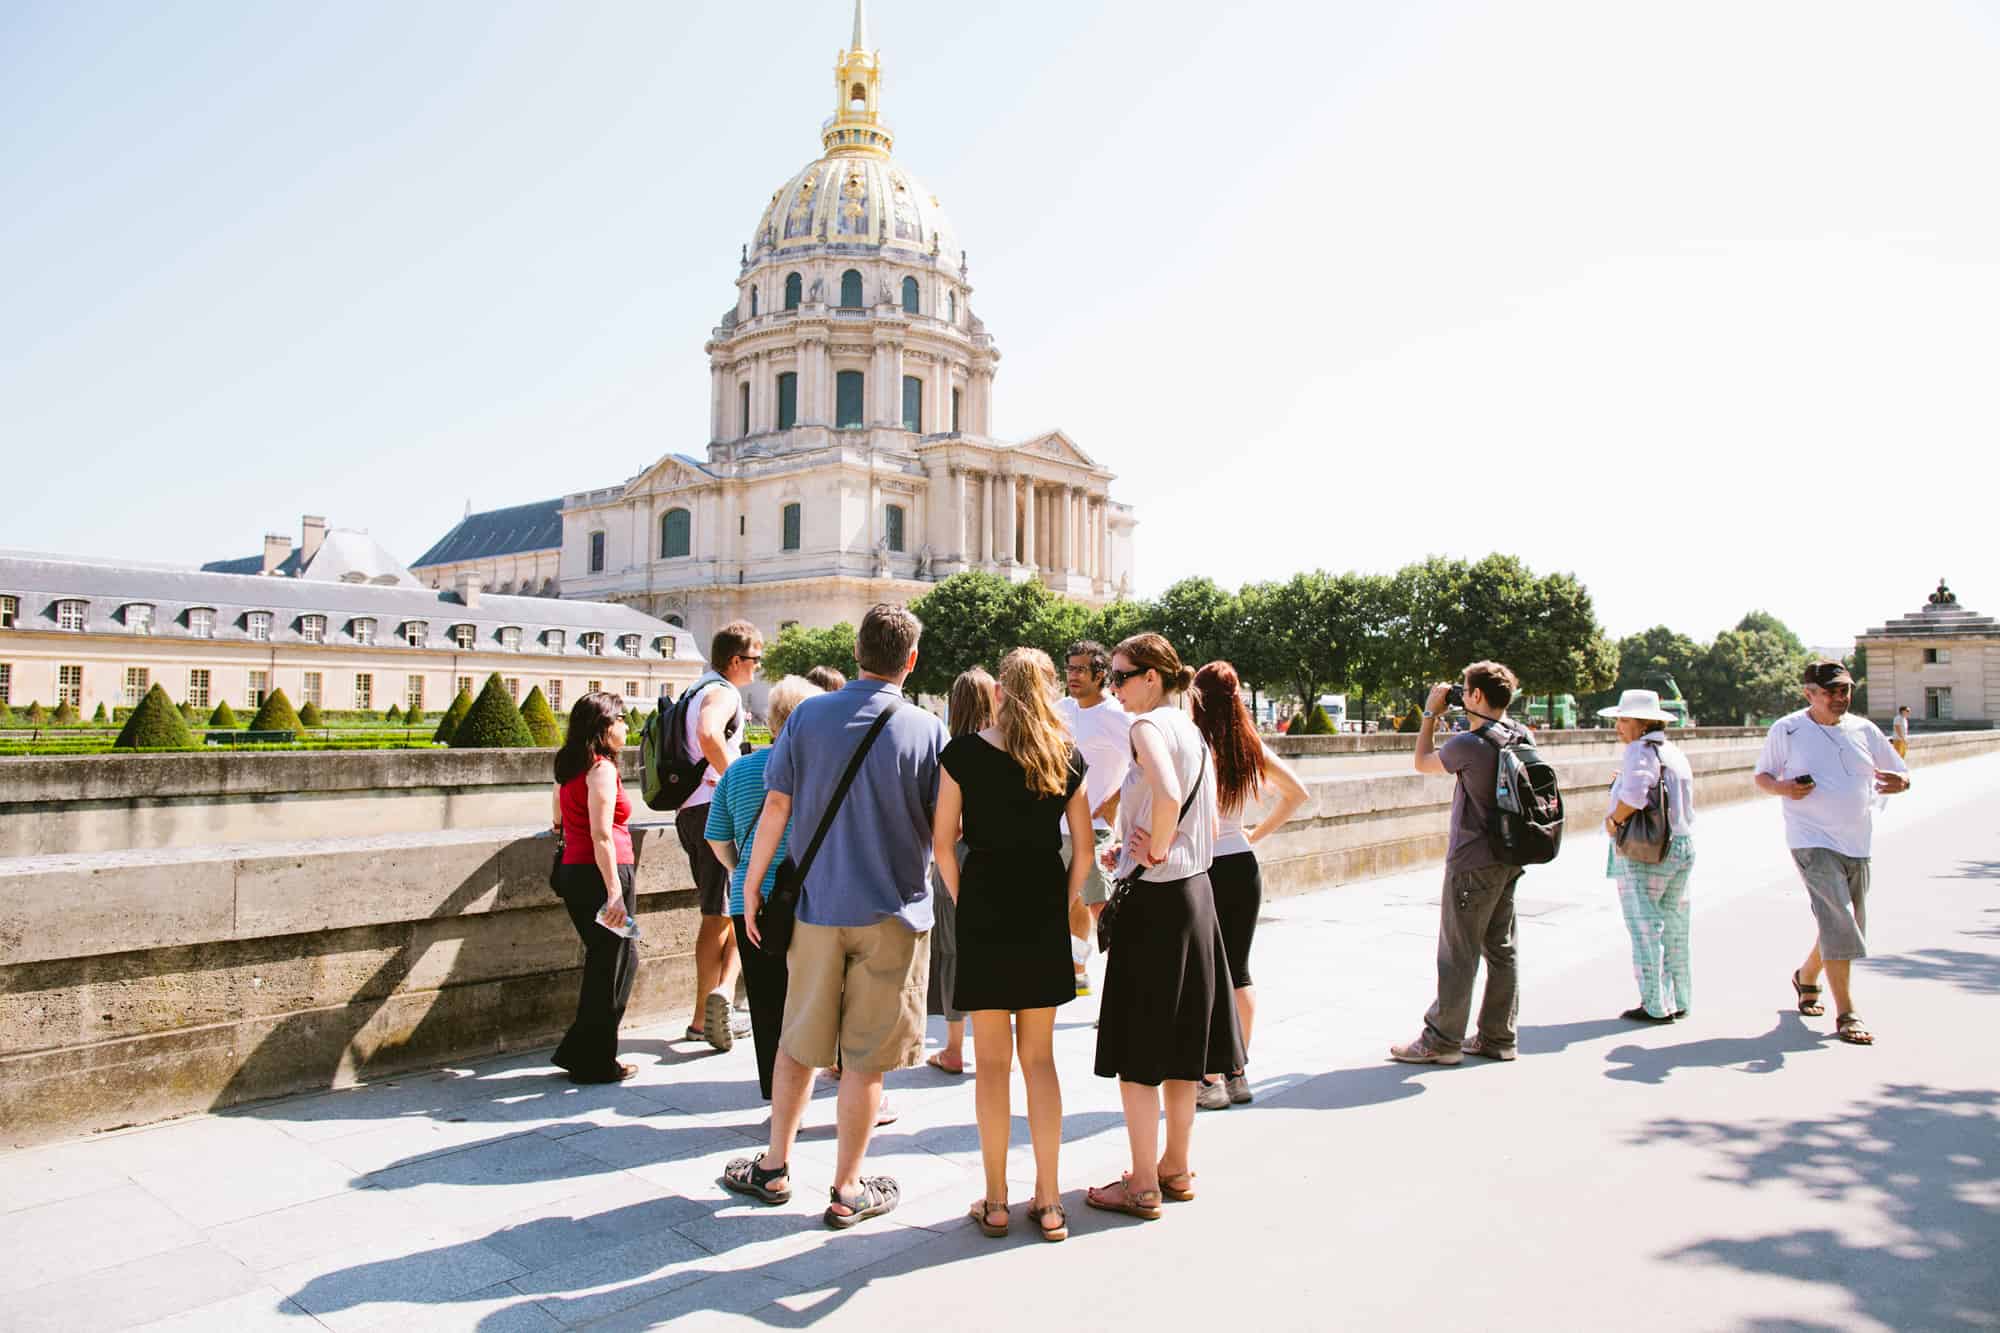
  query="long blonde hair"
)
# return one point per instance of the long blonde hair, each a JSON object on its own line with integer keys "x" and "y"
{"x": 1030, "y": 732}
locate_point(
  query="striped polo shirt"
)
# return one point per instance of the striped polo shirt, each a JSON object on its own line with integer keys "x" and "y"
{"x": 732, "y": 817}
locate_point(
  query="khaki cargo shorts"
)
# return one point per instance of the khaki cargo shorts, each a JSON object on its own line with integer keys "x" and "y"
{"x": 857, "y": 990}
{"x": 1097, "y": 885}
{"x": 1838, "y": 888}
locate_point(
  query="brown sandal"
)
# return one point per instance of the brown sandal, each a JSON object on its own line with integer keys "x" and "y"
{"x": 1851, "y": 1029}
{"x": 1060, "y": 1231}
{"x": 1809, "y": 1004}
{"x": 1142, "y": 1204}
{"x": 1178, "y": 1188}
{"x": 981, "y": 1210}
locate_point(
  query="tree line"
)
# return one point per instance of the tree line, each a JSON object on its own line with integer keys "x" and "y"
{"x": 1742, "y": 674}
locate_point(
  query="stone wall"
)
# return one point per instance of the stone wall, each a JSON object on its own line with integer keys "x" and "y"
{"x": 137, "y": 985}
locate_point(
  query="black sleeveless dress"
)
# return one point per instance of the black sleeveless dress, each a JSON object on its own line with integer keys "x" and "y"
{"x": 1013, "y": 892}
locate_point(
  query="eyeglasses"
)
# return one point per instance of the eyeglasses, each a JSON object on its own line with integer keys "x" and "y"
{"x": 1080, "y": 668}
{"x": 749, "y": 657}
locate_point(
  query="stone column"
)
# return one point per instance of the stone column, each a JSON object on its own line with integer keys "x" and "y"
{"x": 718, "y": 398}
{"x": 1028, "y": 522}
{"x": 1009, "y": 519}
{"x": 958, "y": 500}
{"x": 1104, "y": 539}
{"x": 1066, "y": 557}
{"x": 989, "y": 499}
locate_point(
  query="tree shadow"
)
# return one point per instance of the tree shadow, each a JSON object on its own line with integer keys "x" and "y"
{"x": 1918, "y": 1161}
{"x": 1976, "y": 870}
{"x": 1978, "y": 973}
{"x": 1762, "y": 1054}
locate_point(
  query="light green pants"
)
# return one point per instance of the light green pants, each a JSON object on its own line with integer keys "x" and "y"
{"x": 1655, "y": 901}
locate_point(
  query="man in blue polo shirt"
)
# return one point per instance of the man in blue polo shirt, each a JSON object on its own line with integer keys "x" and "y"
{"x": 860, "y": 954}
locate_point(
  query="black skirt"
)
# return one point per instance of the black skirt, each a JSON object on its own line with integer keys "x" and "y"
{"x": 1169, "y": 1008}
{"x": 1013, "y": 932}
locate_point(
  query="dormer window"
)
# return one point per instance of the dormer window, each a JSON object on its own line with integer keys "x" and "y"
{"x": 510, "y": 638}
{"x": 259, "y": 625}
{"x": 628, "y": 644}
{"x": 363, "y": 631}
{"x": 555, "y": 640}
{"x": 201, "y": 622}
{"x": 592, "y": 643}
{"x": 464, "y": 636}
{"x": 10, "y": 612}
{"x": 71, "y": 614}
{"x": 312, "y": 629}
{"x": 415, "y": 632}
{"x": 139, "y": 618}
{"x": 664, "y": 645}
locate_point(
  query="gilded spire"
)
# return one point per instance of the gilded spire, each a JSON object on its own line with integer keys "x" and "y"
{"x": 860, "y": 42}
{"x": 856, "y": 128}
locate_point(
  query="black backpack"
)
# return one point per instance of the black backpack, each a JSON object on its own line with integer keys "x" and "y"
{"x": 667, "y": 774}
{"x": 1527, "y": 824}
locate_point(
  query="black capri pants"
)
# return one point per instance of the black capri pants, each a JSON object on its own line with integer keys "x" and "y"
{"x": 1239, "y": 896}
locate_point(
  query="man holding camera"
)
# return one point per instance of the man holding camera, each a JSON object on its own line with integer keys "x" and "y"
{"x": 1831, "y": 768}
{"x": 1476, "y": 916}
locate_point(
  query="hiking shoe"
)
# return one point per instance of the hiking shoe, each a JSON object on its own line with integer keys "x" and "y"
{"x": 885, "y": 1114}
{"x": 1239, "y": 1089}
{"x": 1212, "y": 1096}
{"x": 1487, "y": 1050}
{"x": 1421, "y": 1052}
{"x": 715, "y": 1021}
{"x": 1082, "y": 982}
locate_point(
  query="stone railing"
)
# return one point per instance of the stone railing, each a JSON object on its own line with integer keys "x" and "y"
{"x": 137, "y": 985}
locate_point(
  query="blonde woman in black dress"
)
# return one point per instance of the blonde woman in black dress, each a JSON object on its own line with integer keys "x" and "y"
{"x": 1013, "y": 784}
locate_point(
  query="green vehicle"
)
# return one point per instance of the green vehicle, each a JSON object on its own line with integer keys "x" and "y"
{"x": 1542, "y": 710}
{"x": 1672, "y": 701}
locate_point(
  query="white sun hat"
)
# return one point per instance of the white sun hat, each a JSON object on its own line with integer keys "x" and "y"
{"x": 1641, "y": 704}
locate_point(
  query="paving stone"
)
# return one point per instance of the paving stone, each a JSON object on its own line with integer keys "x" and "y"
{"x": 723, "y": 1301}
{"x": 50, "y": 1175}
{"x": 259, "y": 1310}
{"x": 499, "y": 1178}
{"x": 167, "y": 1283}
{"x": 260, "y": 1177}
{"x": 341, "y": 1221}
{"x": 619, "y": 1209}
{"x": 603, "y": 1281}
{"x": 392, "y": 1277}
{"x": 63, "y": 1241}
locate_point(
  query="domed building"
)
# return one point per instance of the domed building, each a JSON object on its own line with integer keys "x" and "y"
{"x": 850, "y": 458}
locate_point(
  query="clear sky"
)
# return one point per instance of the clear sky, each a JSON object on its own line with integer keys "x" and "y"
{"x": 1697, "y": 300}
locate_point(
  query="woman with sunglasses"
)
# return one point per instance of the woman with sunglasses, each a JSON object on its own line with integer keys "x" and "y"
{"x": 1168, "y": 1016}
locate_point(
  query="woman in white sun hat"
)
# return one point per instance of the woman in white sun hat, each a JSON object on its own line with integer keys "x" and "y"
{"x": 1654, "y": 897}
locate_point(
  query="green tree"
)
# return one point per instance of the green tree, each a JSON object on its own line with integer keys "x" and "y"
{"x": 1746, "y": 675}
{"x": 798, "y": 649}
{"x": 461, "y": 704}
{"x": 37, "y": 715}
{"x": 155, "y": 725}
{"x": 971, "y": 619}
{"x": 1317, "y": 722}
{"x": 1423, "y": 605}
{"x": 101, "y": 717}
{"x": 1756, "y": 622}
{"x": 413, "y": 716}
{"x": 1198, "y": 619}
{"x": 65, "y": 714}
{"x": 1563, "y": 649}
{"x": 6, "y": 714}
{"x": 1647, "y": 660}
{"x": 223, "y": 716}
{"x": 275, "y": 714}
{"x": 309, "y": 716}
{"x": 1058, "y": 624}
{"x": 190, "y": 714}
{"x": 541, "y": 719}
{"x": 1117, "y": 621}
{"x": 394, "y": 715}
{"x": 493, "y": 721}
{"x": 1285, "y": 635}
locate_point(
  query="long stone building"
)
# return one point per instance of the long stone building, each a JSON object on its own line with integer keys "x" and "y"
{"x": 850, "y": 454}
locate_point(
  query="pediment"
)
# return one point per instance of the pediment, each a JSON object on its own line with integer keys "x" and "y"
{"x": 1056, "y": 445}
{"x": 670, "y": 473}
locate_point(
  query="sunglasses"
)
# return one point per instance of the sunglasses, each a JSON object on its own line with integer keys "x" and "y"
{"x": 1835, "y": 689}
{"x": 1115, "y": 678}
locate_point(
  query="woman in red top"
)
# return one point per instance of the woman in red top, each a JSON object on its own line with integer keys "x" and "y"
{"x": 596, "y": 875}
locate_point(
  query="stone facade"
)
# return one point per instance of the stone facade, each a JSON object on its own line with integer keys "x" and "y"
{"x": 1942, "y": 662}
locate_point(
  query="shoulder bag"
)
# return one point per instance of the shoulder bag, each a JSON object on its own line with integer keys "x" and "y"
{"x": 1644, "y": 835}
{"x": 1107, "y": 920}
{"x": 777, "y": 913}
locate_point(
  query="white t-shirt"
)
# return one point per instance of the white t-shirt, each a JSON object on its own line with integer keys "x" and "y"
{"x": 705, "y": 793}
{"x": 1902, "y": 726}
{"x": 1839, "y": 812}
{"x": 1100, "y": 735}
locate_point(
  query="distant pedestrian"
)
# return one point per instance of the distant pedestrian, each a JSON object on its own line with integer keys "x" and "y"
{"x": 1098, "y": 725}
{"x": 969, "y": 709}
{"x": 1901, "y": 737}
{"x": 1243, "y": 765}
{"x": 1832, "y": 768}
{"x": 732, "y": 824}
{"x": 1167, "y": 1016}
{"x": 827, "y": 679}
{"x": 860, "y": 950}
{"x": 715, "y": 720}
{"x": 1653, "y": 897}
{"x": 596, "y": 875}
{"x": 1008, "y": 784}
{"x": 1476, "y": 909}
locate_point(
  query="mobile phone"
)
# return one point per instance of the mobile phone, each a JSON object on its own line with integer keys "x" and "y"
{"x": 1804, "y": 779}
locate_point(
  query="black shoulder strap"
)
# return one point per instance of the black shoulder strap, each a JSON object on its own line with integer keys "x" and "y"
{"x": 840, "y": 792}
{"x": 1195, "y": 790}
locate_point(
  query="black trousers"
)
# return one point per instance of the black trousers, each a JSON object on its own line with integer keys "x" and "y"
{"x": 765, "y": 979}
{"x": 610, "y": 964}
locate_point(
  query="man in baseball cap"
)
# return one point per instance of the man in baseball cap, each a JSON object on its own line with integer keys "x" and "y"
{"x": 1830, "y": 767}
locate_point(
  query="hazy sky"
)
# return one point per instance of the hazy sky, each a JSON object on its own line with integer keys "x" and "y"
{"x": 1697, "y": 300}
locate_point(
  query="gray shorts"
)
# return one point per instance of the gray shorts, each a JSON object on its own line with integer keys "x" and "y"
{"x": 1838, "y": 888}
{"x": 1096, "y": 885}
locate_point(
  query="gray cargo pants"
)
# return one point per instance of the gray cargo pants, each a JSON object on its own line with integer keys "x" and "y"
{"x": 1475, "y": 919}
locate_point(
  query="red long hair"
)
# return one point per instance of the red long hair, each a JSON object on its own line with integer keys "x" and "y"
{"x": 1240, "y": 766}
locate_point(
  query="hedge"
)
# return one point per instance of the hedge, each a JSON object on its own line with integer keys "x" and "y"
{"x": 493, "y": 721}
{"x": 276, "y": 714}
{"x": 461, "y": 704}
{"x": 541, "y": 719}
{"x": 154, "y": 725}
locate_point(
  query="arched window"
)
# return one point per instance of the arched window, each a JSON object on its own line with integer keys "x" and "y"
{"x": 951, "y": 306}
{"x": 791, "y": 525}
{"x": 913, "y": 403}
{"x": 743, "y": 402}
{"x": 753, "y": 303}
{"x": 910, "y": 303}
{"x": 849, "y": 398}
{"x": 788, "y": 399}
{"x": 791, "y": 291}
{"x": 675, "y": 529}
{"x": 850, "y": 289}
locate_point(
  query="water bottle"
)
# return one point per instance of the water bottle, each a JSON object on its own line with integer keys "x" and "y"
{"x": 630, "y": 930}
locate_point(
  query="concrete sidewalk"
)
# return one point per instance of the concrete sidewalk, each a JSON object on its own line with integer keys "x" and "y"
{"x": 1737, "y": 1170}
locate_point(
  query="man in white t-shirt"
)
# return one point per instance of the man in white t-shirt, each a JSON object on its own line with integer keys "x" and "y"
{"x": 714, "y": 729}
{"x": 1098, "y": 727}
{"x": 1831, "y": 767}
{"x": 1900, "y": 736}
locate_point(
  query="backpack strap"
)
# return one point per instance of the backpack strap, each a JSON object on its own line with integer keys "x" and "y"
{"x": 840, "y": 792}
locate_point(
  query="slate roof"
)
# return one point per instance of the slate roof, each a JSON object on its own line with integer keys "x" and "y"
{"x": 529, "y": 527}
{"x": 41, "y": 581}
{"x": 254, "y": 564}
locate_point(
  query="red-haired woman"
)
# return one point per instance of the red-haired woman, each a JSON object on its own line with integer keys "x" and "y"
{"x": 1245, "y": 769}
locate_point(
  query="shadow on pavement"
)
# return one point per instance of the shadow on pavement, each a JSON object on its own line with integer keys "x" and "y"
{"x": 1762, "y": 1054}
{"x": 1342, "y": 1089}
{"x": 1555, "y": 1037}
{"x": 1918, "y": 1163}
{"x": 1978, "y": 973}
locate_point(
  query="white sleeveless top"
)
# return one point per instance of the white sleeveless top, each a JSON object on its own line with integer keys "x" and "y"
{"x": 1193, "y": 848}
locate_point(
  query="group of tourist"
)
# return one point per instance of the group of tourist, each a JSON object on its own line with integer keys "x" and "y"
{"x": 944, "y": 873}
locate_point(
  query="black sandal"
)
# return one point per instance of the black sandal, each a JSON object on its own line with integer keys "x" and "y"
{"x": 879, "y": 1195}
{"x": 1809, "y": 1004}
{"x": 1851, "y": 1029}
{"x": 744, "y": 1176}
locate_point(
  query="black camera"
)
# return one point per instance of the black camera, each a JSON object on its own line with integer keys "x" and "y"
{"x": 1455, "y": 697}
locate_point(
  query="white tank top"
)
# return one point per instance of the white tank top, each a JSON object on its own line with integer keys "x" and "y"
{"x": 1193, "y": 848}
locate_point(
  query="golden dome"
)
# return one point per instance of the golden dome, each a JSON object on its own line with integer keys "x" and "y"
{"x": 856, "y": 200}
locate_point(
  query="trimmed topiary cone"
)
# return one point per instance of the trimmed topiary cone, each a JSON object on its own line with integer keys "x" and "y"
{"x": 394, "y": 714}
{"x": 36, "y": 715}
{"x": 309, "y": 715}
{"x": 223, "y": 716}
{"x": 65, "y": 714}
{"x": 461, "y": 704}
{"x": 101, "y": 717}
{"x": 1318, "y": 723}
{"x": 541, "y": 719}
{"x": 493, "y": 722}
{"x": 155, "y": 725}
{"x": 276, "y": 714}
